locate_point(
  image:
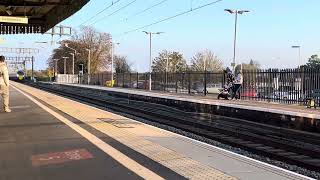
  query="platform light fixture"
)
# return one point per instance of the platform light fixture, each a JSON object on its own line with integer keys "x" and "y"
{"x": 89, "y": 65}
{"x": 65, "y": 64}
{"x": 73, "y": 55}
{"x": 299, "y": 58}
{"x": 236, "y": 12}
{"x": 150, "y": 65}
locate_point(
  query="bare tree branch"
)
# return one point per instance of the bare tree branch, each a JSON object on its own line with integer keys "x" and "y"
{"x": 88, "y": 38}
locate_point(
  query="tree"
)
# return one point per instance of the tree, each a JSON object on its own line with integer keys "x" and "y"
{"x": 252, "y": 65}
{"x": 170, "y": 62}
{"x": 88, "y": 38}
{"x": 313, "y": 62}
{"x": 122, "y": 65}
{"x": 206, "y": 61}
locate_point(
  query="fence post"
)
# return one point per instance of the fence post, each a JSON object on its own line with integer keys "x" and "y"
{"x": 176, "y": 82}
{"x": 165, "y": 81}
{"x": 130, "y": 84}
{"x": 302, "y": 91}
{"x": 102, "y": 81}
{"x": 182, "y": 79}
{"x": 117, "y": 78}
{"x": 137, "y": 80}
{"x": 123, "y": 74}
{"x": 146, "y": 81}
{"x": 223, "y": 78}
{"x": 205, "y": 83}
{"x": 189, "y": 84}
{"x": 154, "y": 80}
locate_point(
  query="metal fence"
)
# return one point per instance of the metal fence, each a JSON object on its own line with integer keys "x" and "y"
{"x": 279, "y": 85}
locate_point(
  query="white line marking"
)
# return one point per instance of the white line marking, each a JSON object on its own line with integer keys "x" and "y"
{"x": 114, "y": 153}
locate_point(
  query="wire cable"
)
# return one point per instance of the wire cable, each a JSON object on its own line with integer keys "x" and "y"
{"x": 106, "y": 8}
{"x": 172, "y": 17}
{"x": 145, "y": 10}
{"x": 113, "y": 12}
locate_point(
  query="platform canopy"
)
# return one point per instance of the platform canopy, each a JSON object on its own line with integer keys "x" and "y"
{"x": 35, "y": 16}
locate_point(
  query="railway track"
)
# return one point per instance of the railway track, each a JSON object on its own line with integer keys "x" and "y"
{"x": 290, "y": 146}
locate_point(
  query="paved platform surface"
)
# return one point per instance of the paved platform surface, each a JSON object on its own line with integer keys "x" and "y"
{"x": 36, "y": 145}
{"x": 288, "y": 109}
{"x": 51, "y": 137}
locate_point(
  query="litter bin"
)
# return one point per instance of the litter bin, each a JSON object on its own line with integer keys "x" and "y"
{"x": 311, "y": 103}
{"x": 110, "y": 83}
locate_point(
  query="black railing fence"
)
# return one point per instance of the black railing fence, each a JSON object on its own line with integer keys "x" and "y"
{"x": 284, "y": 85}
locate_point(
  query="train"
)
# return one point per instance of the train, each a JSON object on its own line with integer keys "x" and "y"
{"x": 18, "y": 76}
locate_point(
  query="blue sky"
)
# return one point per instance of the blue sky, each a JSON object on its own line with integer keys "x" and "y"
{"x": 266, "y": 34}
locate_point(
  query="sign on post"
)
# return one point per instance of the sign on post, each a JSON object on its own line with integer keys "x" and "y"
{"x": 80, "y": 69}
{"x": 12, "y": 19}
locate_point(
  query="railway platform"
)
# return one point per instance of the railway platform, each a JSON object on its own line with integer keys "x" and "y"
{"x": 291, "y": 116}
{"x": 272, "y": 107}
{"x": 52, "y": 137}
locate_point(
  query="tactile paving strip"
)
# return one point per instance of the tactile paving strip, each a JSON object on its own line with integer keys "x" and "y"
{"x": 179, "y": 163}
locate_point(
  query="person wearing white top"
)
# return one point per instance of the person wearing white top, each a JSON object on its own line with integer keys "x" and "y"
{"x": 237, "y": 86}
{"x": 4, "y": 84}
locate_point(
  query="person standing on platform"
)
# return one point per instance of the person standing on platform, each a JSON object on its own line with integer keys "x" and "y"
{"x": 237, "y": 85}
{"x": 4, "y": 85}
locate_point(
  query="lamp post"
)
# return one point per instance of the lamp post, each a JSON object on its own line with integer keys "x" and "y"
{"x": 55, "y": 66}
{"x": 236, "y": 12}
{"x": 167, "y": 69}
{"x": 112, "y": 59}
{"x": 301, "y": 88}
{"x": 65, "y": 64}
{"x": 89, "y": 65}
{"x": 299, "y": 48}
{"x": 205, "y": 63}
{"x": 80, "y": 72}
{"x": 73, "y": 55}
{"x": 150, "y": 69}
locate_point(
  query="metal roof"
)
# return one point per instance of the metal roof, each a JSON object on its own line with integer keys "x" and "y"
{"x": 42, "y": 14}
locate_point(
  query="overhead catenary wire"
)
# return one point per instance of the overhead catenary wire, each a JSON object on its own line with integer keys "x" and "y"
{"x": 106, "y": 8}
{"x": 145, "y": 10}
{"x": 114, "y": 12}
{"x": 171, "y": 17}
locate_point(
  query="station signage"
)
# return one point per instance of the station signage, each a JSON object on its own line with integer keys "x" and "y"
{"x": 12, "y": 19}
